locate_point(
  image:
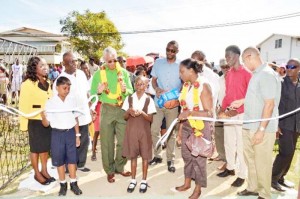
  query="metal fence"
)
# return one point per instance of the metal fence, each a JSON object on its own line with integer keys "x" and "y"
{"x": 14, "y": 149}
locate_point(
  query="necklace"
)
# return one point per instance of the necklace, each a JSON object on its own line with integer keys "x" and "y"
{"x": 197, "y": 125}
{"x": 117, "y": 95}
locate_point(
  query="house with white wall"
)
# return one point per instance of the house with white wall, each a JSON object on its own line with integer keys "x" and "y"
{"x": 280, "y": 48}
{"x": 49, "y": 45}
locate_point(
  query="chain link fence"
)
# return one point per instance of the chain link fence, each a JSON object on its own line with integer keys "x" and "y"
{"x": 14, "y": 149}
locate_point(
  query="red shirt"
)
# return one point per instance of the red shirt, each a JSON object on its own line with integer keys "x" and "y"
{"x": 236, "y": 83}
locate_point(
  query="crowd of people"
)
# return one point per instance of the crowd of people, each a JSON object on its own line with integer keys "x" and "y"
{"x": 129, "y": 120}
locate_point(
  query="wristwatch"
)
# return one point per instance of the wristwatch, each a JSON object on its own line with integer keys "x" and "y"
{"x": 261, "y": 128}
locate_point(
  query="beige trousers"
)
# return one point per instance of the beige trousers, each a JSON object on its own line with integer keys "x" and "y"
{"x": 170, "y": 115}
{"x": 259, "y": 161}
{"x": 233, "y": 144}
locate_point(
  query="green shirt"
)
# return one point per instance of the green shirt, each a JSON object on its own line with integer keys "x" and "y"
{"x": 112, "y": 80}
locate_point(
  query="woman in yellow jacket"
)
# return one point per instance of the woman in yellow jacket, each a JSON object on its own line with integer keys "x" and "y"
{"x": 35, "y": 91}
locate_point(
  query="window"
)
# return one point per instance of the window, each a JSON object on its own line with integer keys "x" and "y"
{"x": 278, "y": 43}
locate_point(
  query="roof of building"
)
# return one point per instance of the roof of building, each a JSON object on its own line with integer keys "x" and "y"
{"x": 293, "y": 36}
{"x": 31, "y": 32}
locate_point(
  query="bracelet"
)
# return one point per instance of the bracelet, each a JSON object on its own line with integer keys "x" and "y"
{"x": 78, "y": 134}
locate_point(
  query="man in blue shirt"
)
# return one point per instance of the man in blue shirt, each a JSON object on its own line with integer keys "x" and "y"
{"x": 165, "y": 77}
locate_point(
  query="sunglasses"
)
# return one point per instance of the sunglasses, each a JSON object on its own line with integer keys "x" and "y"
{"x": 291, "y": 67}
{"x": 112, "y": 61}
{"x": 170, "y": 50}
{"x": 225, "y": 67}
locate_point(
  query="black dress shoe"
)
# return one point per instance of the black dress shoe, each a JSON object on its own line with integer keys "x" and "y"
{"x": 238, "y": 182}
{"x": 63, "y": 189}
{"x": 131, "y": 187}
{"x": 75, "y": 188}
{"x": 171, "y": 167}
{"x": 247, "y": 193}
{"x": 286, "y": 184}
{"x": 143, "y": 187}
{"x": 277, "y": 187}
{"x": 226, "y": 173}
{"x": 260, "y": 197}
{"x": 155, "y": 161}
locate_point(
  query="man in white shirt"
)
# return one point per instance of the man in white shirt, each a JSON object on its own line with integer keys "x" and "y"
{"x": 92, "y": 66}
{"x": 219, "y": 126}
{"x": 211, "y": 76}
{"x": 80, "y": 90}
{"x": 16, "y": 79}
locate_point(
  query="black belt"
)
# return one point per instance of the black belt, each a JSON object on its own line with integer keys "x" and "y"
{"x": 61, "y": 130}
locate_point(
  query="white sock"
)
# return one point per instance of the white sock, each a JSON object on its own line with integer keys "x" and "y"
{"x": 143, "y": 186}
{"x": 63, "y": 181}
{"x": 132, "y": 183}
{"x": 73, "y": 180}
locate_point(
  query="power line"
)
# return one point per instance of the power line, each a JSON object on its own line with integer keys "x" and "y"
{"x": 274, "y": 18}
{"x": 253, "y": 21}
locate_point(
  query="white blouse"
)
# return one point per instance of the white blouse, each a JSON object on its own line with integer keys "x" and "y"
{"x": 190, "y": 94}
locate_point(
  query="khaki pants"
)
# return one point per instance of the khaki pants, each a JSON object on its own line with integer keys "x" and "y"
{"x": 219, "y": 139}
{"x": 170, "y": 115}
{"x": 259, "y": 161}
{"x": 233, "y": 143}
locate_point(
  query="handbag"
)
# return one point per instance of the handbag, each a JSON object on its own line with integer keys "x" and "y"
{"x": 200, "y": 146}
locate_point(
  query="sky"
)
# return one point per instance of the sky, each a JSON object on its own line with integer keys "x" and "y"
{"x": 133, "y": 15}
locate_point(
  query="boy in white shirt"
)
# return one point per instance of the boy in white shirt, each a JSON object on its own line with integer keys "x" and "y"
{"x": 65, "y": 136}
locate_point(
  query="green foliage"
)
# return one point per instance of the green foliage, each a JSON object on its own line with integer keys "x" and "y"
{"x": 91, "y": 33}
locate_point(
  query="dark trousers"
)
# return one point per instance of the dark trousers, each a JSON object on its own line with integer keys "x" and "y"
{"x": 287, "y": 145}
{"x": 84, "y": 144}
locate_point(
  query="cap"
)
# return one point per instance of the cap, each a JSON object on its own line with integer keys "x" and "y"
{"x": 223, "y": 62}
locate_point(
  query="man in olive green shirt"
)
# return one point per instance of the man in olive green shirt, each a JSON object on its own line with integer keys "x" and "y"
{"x": 112, "y": 85}
{"x": 261, "y": 101}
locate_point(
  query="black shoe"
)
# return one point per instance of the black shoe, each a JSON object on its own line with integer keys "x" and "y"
{"x": 63, "y": 189}
{"x": 247, "y": 193}
{"x": 75, "y": 188}
{"x": 144, "y": 188}
{"x": 238, "y": 182}
{"x": 226, "y": 173}
{"x": 171, "y": 167}
{"x": 260, "y": 197}
{"x": 155, "y": 161}
{"x": 131, "y": 187}
{"x": 84, "y": 169}
{"x": 277, "y": 187}
{"x": 286, "y": 184}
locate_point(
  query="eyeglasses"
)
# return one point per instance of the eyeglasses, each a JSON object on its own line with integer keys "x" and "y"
{"x": 112, "y": 61}
{"x": 170, "y": 50}
{"x": 139, "y": 84}
{"x": 291, "y": 67}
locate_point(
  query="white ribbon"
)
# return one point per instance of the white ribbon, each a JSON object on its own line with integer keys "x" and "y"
{"x": 16, "y": 112}
{"x": 164, "y": 138}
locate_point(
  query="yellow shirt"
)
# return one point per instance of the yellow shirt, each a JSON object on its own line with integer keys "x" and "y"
{"x": 32, "y": 98}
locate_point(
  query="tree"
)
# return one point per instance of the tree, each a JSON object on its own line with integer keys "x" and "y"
{"x": 90, "y": 33}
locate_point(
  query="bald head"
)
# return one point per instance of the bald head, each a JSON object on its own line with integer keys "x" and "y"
{"x": 296, "y": 60}
{"x": 251, "y": 50}
{"x": 251, "y": 58}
